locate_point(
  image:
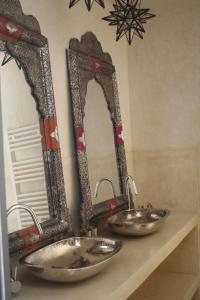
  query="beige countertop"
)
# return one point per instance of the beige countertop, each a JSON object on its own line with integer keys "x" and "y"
{"x": 138, "y": 258}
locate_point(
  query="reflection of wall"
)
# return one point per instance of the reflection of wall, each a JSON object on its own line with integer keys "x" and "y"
{"x": 15, "y": 96}
{"x": 19, "y": 110}
{"x": 164, "y": 78}
{"x": 100, "y": 145}
{"x": 60, "y": 24}
{"x": 18, "y": 106}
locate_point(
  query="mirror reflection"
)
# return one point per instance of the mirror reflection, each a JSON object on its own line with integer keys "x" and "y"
{"x": 24, "y": 168}
{"x": 100, "y": 145}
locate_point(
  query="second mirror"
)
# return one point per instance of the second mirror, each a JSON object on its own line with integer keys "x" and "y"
{"x": 99, "y": 138}
{"x": 98, "y": 131}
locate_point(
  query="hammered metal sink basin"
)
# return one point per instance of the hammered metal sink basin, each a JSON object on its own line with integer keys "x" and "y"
{"x": 137, "y": 222}
{"x": 72, "y": 259}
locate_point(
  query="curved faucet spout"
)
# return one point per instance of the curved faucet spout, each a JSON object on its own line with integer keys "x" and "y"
{"x": 129, "y": 180}
{"x": 99, "y": 183}
{"x": 31, "y": 212}
{"x": 15, "y": 284}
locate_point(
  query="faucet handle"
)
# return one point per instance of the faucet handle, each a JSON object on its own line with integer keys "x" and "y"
{"x": 140, "y": 206}
{"x": 15, "y": 286}
{"x": 149, "y": 206}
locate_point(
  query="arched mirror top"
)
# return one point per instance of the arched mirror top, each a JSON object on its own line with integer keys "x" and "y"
{"x": 21, "y": 40}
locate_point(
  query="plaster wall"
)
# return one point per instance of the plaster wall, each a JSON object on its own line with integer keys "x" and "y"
{"x": 164, "y": 99}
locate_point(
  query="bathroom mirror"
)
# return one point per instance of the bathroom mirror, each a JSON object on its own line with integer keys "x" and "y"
{"x": 24, "y": 167}
{"x": 99, "y": 140}
{"x": 98, "y": 129}
{"x": 33, "y": 161}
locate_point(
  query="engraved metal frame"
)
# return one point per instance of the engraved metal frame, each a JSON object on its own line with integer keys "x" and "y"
{"x": 20, "y": 37}
{"x": 87, "y": 61}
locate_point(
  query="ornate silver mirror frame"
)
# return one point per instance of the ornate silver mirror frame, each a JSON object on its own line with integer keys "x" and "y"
{"x": 20, "y": 38}
{"x": 87, "y": 61}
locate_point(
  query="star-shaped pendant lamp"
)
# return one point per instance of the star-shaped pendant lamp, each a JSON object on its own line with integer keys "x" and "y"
{"x": 7, "y": 58}
{"x": 129, "y": 19}
{"x": 88, "y": 3}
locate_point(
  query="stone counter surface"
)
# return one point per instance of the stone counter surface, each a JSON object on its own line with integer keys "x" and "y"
{"x": 138, "y": 258}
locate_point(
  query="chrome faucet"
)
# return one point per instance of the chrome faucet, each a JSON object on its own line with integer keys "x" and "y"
{"x": 129, "y": 181}
{"x": 99, "y": 183}
{"x": 31, "y": 212}
{"x": 16, "y": 284}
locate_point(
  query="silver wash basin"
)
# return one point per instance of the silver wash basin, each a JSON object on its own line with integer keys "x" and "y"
{"x": 72, "y": 259}
{"x": 137, "y": 222}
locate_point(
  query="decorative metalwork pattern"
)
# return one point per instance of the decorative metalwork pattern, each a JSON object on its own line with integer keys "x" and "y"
{"x": 25, "y": 44}
{"x": 129, "y": 19}
{"x": 87, "y": 61}
{"x": 88, "y": 3}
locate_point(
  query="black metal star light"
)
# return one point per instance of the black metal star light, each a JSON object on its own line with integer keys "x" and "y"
{"x": 88, "y": 3}
{"x": 129, "y": 19}
{"x": 7, "y": 58}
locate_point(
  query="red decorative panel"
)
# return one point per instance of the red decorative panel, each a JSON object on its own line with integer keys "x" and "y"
{"x": 30, "y": 235}
{"x": 9, "y": 31}
{"x": 110, "y": 206}
{"x": 80, "y": 139}
{"x": 118, "y": 133}
{"x": 96, "y": 65}
{"x": 49, "y": 132}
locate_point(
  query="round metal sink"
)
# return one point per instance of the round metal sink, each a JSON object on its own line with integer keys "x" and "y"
{"x": 72, "y": 259}
{"x": 137, "y": 222}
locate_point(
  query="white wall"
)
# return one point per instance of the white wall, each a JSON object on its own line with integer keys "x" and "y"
{"x": 164, "y": 77}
